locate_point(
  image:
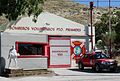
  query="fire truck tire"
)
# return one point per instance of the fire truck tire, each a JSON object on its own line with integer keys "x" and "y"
{"x": 97, "y": 68}
{"x": 80, "y": 66}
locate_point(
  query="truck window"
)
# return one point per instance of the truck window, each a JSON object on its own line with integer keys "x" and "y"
{"x": 85, "y": 56}
{"x": 97, "y": 56}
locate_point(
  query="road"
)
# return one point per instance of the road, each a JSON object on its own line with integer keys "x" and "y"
{"x": 70, "y": 74}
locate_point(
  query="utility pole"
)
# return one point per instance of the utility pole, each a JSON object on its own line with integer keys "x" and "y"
{"x": 97, "y": 3}
{"x": 91, "y": 10}
{"x": 110, "y": 28}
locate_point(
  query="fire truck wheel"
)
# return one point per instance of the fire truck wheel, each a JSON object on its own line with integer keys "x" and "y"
{"x": 97, "y": 68}
{"x": 81, "y": 66}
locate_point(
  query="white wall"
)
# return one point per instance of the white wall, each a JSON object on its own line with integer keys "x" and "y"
{"x": 9, "y": 39}
{"x": 90, "y": 48}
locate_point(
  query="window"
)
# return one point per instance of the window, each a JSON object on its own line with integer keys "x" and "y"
{"x": 100, "y": 55}
{"x": 85, "y": 56}
{"x": 30, "y": 48}
{"x": 97, "y": 56}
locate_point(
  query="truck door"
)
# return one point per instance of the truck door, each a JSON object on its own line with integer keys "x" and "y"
{"x": 92, "y": 60}
{"x": 86, "y": 60}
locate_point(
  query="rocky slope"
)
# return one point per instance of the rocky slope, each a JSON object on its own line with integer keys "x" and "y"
{"x": 68, "y": 9}
{"x": 71, "y": 10}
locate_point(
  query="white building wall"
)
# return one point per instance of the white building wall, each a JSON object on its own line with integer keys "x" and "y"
{"x": 32, "y": 63}
{"x": 90, "y": 48}
{"x": 8, "y": 40}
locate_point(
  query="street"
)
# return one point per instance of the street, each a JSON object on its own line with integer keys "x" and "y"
{"x": 70, "y": 74}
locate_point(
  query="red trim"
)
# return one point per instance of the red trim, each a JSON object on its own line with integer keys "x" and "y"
{"x": 48, "y": 56}
{"x": 70, "y": 52}
{"x": 59, "y": 66}
{"x": 32, "y": 56}
{"x": 30, "y": 42}
{"x": 65, "y": 35}
{"x": 45, "y": 50}
{"x": 58, "y": 38}
{"x": 59, "y": 45}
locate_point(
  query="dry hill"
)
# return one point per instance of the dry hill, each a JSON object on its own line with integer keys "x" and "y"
{"x": 68, "y": 9}
{"x": 74, "y": 11}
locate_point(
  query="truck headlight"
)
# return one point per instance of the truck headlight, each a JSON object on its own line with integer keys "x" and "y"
{"x": 111, "y": 63}
{"x": 103, "y": 62}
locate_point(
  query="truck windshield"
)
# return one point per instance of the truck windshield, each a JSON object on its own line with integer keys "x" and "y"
{"x": 100, "y": 55}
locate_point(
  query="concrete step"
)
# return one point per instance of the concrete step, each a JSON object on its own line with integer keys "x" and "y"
{"x": 13, "y": 75}
{"x": 13, "y": 71}
{"x": 21, "y": 72}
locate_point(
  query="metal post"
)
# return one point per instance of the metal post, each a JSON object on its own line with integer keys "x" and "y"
{"x": 97, "y": 3}
{"x": 91, "y": 9}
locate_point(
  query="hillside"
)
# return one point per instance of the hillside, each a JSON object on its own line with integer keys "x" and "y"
{"x": 74, "y": 11}
{"x": 68, "y": 9}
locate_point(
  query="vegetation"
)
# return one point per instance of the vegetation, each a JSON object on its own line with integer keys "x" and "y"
{"x": 103, "y": 34}
{"x": 11, "y": 9}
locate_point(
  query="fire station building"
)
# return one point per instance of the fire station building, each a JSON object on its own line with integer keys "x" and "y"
{"x": 49, "y": 43}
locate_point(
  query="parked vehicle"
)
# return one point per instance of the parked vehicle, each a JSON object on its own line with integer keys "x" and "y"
{"x": 98, "y": 61}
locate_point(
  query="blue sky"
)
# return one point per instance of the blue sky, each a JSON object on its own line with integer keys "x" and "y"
{"x": 101, "y": 3}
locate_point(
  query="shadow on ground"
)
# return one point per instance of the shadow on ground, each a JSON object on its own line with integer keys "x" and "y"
{"x": 89, "y": 70}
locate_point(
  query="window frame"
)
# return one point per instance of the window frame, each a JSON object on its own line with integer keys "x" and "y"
{"x": 31, "y": 56}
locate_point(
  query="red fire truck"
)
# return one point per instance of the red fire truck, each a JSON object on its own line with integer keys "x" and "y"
{"x": 98, "y": 61}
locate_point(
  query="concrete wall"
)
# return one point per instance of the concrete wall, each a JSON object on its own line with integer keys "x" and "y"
{"x": 32, "y": 63}
{"x": 9, "y": 39}
{"x": 90, "y": 48}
